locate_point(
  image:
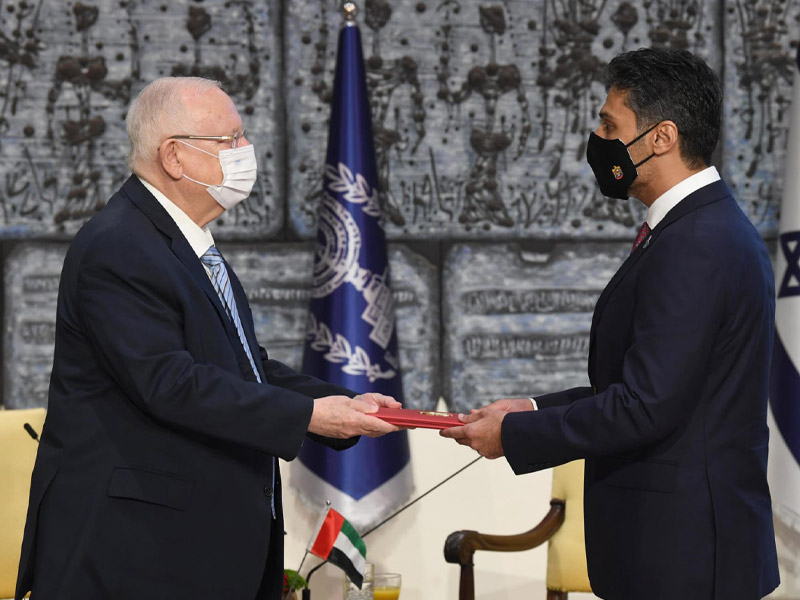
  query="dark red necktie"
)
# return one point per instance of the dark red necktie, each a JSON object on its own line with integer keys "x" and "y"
{"x": 643, "y": 232}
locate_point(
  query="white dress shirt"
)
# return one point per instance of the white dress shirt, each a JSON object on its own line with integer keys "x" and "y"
{"x": 670, "y": 199}
{"x": 199, "y": 238}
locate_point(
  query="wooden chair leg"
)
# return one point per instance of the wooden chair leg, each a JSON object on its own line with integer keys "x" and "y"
{"x": 554, "y": 595}
{"x": 466, "y": 588}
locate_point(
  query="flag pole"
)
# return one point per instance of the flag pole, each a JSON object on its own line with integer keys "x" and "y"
{"x": 303, "y": 560}
{"x": 294, "y": 577}
{"x": 418, "y": 498}
{"x": 349, "y": 9}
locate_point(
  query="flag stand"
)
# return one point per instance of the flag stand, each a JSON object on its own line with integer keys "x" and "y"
{"x": 307, "y": 591}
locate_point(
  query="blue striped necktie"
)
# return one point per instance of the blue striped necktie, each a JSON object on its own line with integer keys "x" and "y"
{"x": 222, "y": 284}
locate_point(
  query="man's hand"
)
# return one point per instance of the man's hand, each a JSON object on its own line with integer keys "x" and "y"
{"x": 379, "y": 400}
{"x": 343, "y": 417}
{"x": 481, "y": 431}
{"x": 510, "y": 405}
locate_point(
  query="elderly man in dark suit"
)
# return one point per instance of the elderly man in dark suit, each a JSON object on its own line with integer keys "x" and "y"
{"x": 673, "y": 429}
{"x": 156, "y": 475}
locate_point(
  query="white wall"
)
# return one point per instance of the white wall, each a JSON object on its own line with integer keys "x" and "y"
{"x": 487, "y": 497}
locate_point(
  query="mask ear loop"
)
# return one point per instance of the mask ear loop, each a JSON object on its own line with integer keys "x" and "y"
{"x": 636, "y": 139}
{"x": 208, "y": 185}
{"x": 640, "y": 163}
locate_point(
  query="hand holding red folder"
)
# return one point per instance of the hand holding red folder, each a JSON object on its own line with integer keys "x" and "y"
{"x": 425, "y": 419}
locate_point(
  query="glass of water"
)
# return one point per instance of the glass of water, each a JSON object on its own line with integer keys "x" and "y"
{"x": 351, "y": 592}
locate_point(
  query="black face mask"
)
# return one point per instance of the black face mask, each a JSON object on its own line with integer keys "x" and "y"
{"x": 612, "y": 164}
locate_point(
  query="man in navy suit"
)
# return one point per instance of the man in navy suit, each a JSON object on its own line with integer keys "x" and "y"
{"x": 156, "y": 474}
{"x": 673, "y": 427}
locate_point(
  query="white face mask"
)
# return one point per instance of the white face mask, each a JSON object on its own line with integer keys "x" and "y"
{"x": 239, "y": 172}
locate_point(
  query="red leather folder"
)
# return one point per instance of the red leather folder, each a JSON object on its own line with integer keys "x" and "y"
{"x": 425, "y": 419}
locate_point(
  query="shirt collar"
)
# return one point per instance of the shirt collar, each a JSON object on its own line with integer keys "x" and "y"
{"x": 669, "y": 199}
{"x": 200, "y": 239}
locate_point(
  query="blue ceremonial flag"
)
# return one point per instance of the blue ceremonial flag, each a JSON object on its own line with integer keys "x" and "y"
{"x": 784, "y": 467}
{"x": 351, "y": 338}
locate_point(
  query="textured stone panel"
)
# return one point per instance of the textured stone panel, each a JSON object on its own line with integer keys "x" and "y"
{"x": 415, "y": 283}
{"x": 481, "y": 110}
{"x": 70, "y": 70}
{"x": 517, "y": 320}
{"x": 32, "y": 273}
{"x": 277, "y": 279}
{"x": 760, "y": 48}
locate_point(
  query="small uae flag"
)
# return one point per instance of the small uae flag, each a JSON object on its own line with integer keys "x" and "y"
{"x": 337, "y": 541}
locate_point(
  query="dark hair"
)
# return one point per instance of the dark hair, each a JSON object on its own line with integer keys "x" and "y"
{"x": 672, "y": 85}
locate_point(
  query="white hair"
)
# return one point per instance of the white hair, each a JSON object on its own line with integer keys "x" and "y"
{"x": 159, "y": 112}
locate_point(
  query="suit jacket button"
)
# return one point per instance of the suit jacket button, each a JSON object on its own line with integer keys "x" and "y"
{"x": 267, "y": 491}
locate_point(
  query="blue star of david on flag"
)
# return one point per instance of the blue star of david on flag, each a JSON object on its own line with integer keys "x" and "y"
{"x": 790, "y": 246}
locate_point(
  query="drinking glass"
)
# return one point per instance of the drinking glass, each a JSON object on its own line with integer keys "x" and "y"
{"x": 386, "y": 586}
{"x": 351, "y": 592}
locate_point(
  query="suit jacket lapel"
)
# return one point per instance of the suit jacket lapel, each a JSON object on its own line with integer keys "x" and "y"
{"x": 184, "y": 252}
{"x": 144, "y": 200}
{"x": 618, "y": 276}
{"x": 697, "y": 199}
{"x": 632, "y": 259}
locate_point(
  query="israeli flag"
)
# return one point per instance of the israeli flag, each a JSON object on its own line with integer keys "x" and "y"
{"x": 784, "y": 466}
{"x": 351, "y": 338}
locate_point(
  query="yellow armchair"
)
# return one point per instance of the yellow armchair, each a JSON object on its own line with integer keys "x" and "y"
{"x": 17, "y": 455}
{"x": 562, "y": 528}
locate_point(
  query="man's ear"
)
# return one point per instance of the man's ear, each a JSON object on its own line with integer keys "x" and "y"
{"x": 666, "y": 137}
{"x": 170, "y": 160}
